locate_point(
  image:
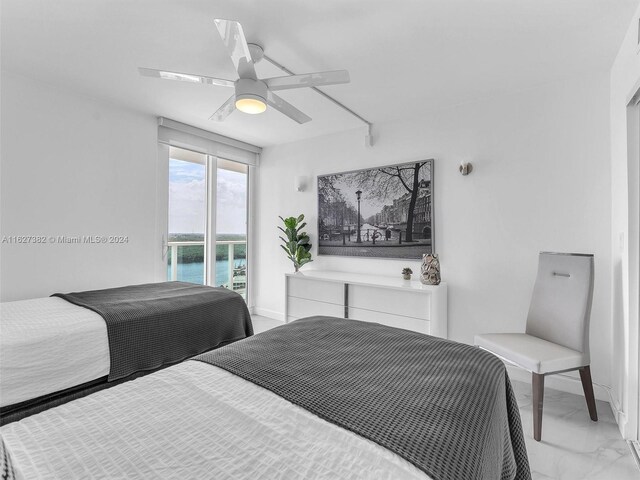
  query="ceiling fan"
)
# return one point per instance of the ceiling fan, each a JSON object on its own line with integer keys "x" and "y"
{"x": 252, "y": 95}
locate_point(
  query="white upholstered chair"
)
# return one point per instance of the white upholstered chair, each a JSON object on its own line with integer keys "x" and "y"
{"x": 557, "y": 332}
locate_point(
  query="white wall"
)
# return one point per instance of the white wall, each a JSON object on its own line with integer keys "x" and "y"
{"x": 625, "y": 81}
{"x": 74, "y": 166}
{"x": 541, "y": 181}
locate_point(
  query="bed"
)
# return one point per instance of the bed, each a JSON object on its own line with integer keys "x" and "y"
{"x": 62, "y": 347}
{"x": 317, "y": 398}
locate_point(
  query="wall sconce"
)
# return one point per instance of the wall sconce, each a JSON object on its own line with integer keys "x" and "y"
{"x": 300, "y": 183}
{"x": 465, "y": 168}
{"x": 368, "y": 138}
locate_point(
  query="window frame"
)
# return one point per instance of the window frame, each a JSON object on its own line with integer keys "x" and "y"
{"x": 214, "y": 146}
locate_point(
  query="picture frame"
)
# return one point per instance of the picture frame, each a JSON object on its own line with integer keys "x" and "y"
{"x": 382, "y": 212}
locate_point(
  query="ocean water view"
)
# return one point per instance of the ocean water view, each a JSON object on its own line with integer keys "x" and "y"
{"x": 188, "y": 248}
{"x": 194, "y": 272}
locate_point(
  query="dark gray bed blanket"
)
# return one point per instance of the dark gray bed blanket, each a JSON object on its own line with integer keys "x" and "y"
{"x": 158, "y": 324}
{"x": 446, "y": 407}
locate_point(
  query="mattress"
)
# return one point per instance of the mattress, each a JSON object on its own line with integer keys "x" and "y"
{"x": 193, "y": 420}
{"x": 48, "y": 345}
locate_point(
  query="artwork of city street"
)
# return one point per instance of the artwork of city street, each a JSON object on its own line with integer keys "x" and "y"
{"x": 377, "y": 212}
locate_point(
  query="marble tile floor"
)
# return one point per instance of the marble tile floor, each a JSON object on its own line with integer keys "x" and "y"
{"x": 260, "y": 324}
{"x": 572, "y": 446}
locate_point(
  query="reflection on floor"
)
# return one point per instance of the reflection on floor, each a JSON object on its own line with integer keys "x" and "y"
{"x": 572, "y": 446}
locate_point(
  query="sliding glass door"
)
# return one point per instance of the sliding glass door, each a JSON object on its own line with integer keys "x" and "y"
{"x": 207, "y": 200}
{"x": 188, "y": 214}
{"x": 231, "y": 225}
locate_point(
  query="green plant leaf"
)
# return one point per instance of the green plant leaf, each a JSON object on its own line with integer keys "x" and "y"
{"x": 296, "y": 243}
{"x": 302, "y": 253}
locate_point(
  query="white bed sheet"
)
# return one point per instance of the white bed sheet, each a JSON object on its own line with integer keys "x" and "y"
{"x": 47, "y": 345}
{"x": 193, "y": 421}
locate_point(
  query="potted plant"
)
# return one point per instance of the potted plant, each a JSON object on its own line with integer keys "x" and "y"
{"x": 296, "y": 244}
{"x": 406, "y": 273}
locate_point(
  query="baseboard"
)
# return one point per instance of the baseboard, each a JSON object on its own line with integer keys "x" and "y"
{"x": 265, "y": 312}
{"x": 620, "y": 416}
{"x": 562, "y": 382}
{"x": 635, "y": 451}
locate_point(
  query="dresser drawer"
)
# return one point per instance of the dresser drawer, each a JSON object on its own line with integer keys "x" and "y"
{"x": 330, "y": 292}
{"x": 397, "y": 321}
{"x": 394, "y": 302}
{"x": 387, "y": 300}
{"x": 301, "y": 307}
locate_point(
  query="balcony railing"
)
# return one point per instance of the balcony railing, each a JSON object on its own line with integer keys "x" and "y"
{"x": 230, "y": 268}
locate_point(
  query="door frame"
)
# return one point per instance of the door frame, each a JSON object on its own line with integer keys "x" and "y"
{"x": 162, "y": 215}
{"x": 633, "y": 262}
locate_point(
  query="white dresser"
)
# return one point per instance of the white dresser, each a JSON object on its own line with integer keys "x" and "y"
{"x": 388, "y": 300}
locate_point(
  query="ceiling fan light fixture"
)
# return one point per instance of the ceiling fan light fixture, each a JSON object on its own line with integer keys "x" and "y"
{"x": 252, "y": 94}
{"x": 252, "y": 104}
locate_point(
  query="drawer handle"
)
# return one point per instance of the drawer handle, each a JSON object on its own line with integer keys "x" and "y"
{"x": 560, "y": 274}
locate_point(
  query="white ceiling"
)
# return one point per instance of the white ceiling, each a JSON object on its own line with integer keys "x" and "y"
{"x": 404, "y": 56}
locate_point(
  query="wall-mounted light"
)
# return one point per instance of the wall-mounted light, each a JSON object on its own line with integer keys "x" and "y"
{"x": 368, "y": 138}
{"x": 300, "y": 183}
{"x": 465, "y": 168}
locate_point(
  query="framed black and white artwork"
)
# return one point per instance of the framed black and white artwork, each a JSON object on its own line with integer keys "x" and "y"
{"x": 377, "y": 212}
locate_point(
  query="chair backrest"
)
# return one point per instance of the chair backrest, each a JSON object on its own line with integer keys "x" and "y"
{"x": 561, "y": 303}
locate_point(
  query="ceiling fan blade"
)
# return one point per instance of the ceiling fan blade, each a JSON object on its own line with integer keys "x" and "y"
{"x": 225, "y": 110}
{"x": 285, "y": 107}
{"x": 308, "y": 80}
{"x": 185, "y": 77}
{"x": 236, "y": 44}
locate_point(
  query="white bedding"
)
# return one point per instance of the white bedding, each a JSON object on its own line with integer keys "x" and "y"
{"x": 47, "y": 345}
{"x": 193, "y": 421}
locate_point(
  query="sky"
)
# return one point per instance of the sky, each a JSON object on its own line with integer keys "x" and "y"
{"x": 187, "y": 199}
{"x": 368, "y": 205}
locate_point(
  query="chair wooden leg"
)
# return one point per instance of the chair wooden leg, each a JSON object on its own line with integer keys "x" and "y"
{"x": 537, "y": 382}
{"x": 587, "y": 386}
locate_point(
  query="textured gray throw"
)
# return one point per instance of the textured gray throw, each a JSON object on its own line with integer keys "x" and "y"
{"x": 446, "y": 407}
{"x": 157, "y": 324}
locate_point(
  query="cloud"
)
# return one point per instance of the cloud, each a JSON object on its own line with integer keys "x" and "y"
{"x": 187, "y": 206}
{"x": 188, "y": 196}
{"x": 232, "y": 202}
